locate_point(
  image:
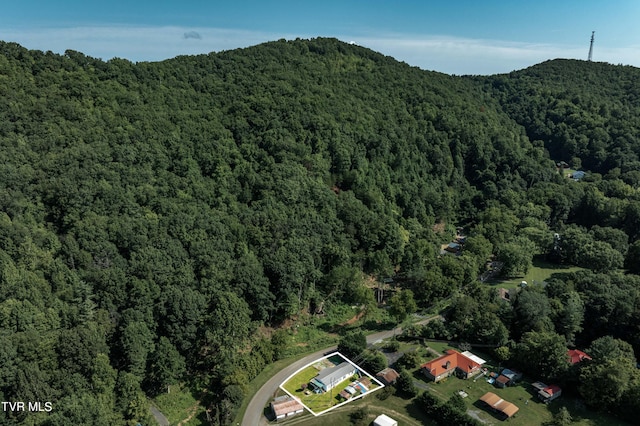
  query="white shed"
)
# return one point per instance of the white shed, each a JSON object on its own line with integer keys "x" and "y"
{"x": 384, "y": 420}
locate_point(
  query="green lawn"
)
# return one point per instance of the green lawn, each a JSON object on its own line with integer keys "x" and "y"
{"x": 293, "y": 384}
{"x": 531, "y": 411}
{"x": 316, "y": 402}
{"x": 402, "y": 410}
{"x": 177, "y": 404}
{"x": 439, "y": 346}
{"x": 540, "y": 271}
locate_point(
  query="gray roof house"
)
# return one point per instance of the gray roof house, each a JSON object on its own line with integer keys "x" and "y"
{"x": 330, "y": 377}
{"x": 578, "y": 175}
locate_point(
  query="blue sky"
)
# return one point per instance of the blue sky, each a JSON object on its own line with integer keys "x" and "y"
{"x": 455, "y": 37}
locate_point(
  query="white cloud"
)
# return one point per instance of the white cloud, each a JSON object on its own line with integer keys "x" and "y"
{"x": 452, "y": 55}
{"x": 135, "y": 43}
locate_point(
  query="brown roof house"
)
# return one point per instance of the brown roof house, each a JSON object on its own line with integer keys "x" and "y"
{"x": 499, "y": 405}
{"x": 452, "y": 362}
{"x": 507, "y": 378}
{"x": 388, "y": 376}
{"x": 286, "y": 406}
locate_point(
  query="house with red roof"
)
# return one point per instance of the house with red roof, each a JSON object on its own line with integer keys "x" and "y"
{"x": 547, "y": 393}
{"x": 452, "y": 362}
{"x": 576, "y": 356}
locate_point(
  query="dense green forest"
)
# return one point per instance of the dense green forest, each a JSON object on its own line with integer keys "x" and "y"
{"x": 156, "y": 218}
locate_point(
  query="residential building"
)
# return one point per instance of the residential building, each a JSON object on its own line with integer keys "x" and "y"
{"x": 286, "y": 406}
{"x": 576, "y": 356}
{"x": 388, "y": 376}
{"x": 549, "y": 393}
{"x": 330, "y": 377}
{"x": 507, "y": 378}
{"x": 452, "y": 362}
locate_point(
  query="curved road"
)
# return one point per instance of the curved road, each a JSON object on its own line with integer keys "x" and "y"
{"x": 160, "y": 418}
{"x": 254, "y": 413}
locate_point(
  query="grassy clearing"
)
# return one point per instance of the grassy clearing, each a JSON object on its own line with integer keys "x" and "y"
{"x": 540, "y": 271}
{"x": 531, "y": 412}
{"x": 439, "y": 346}
{"x": 177, "y": 404}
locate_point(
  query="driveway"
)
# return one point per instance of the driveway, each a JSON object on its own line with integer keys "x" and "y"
{"x": 160, "y": 418}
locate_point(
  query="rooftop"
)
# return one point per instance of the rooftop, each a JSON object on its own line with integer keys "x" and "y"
{"x": 576, "y": 356}
{"x": 336, "y": 372}
{"x": 388, "y": 374}
{"x": 451, "y": 359}
{"x": 499, "y": 404}
{"x": 288, "y": 405}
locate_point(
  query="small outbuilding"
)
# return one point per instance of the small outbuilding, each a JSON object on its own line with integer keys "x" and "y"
{"x": 344, "y": 394}
{"x": 501, "y": 381}
{"x": 286, "y": 406}
{"x": 351, "y": 390}
{"x": 549, "y": 393}
{"x": 499, "y": 405}
{"x": 365, "y": 382}
{"x": 384, "y": 420}
{"x": 388, "y": 376}
{"x": 512, "y": 375}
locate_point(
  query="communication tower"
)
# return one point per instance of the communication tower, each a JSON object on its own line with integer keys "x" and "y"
{"x": 593, "y": 34}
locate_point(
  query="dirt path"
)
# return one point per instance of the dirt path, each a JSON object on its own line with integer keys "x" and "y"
{"x": 354, "y": 319}
{"x": 192, "y": 410}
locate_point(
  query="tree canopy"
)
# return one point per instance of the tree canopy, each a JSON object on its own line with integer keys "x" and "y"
{"x": 156, "y": 218}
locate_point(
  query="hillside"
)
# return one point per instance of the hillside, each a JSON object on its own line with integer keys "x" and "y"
{"x": 585, "y": 112}
{"x": 148, "y": 209}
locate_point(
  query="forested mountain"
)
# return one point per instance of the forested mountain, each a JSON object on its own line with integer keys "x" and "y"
{"x": 584, "y": 112}
{"x": 154, "y": 215}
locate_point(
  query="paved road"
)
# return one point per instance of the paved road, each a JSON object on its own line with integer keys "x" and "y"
{"x": 254, "y": 414}
{"x": 160, "y": 418}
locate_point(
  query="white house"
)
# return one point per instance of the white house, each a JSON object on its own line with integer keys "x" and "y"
{"x": 330, "y": 377}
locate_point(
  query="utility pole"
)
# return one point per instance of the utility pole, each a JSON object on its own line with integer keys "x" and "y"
{"x": 593, "y": 34}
